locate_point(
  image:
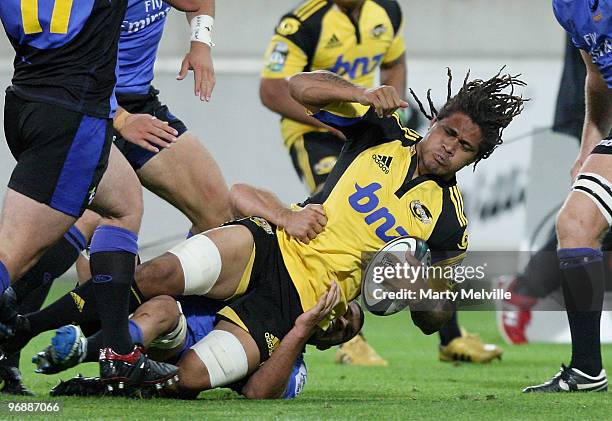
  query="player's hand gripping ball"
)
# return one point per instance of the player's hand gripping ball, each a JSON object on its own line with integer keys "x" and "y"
{"x": 389, "y": 275}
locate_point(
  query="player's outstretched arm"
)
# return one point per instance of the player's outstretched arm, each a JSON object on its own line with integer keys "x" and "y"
{"x": 199, "y": 58}
{"x": 304, "y": 224}
{"x": 317, "y": 89}
{"x": 274, "y": 95}
{"x": 270, "y": 380}
{"x": 598, "y": 116}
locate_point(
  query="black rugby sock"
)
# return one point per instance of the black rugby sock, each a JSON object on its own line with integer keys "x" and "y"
{"x": 450, "y": 330}
{"x": 94, "y": 344}
{"x": 113, "y": 263}
{"x": 542, "y": 274}
{"x": 78, "y": 307}
{"x": 583, "y": 290}
{"x": 113, "y": 273}
{"x": 53, "y": 264}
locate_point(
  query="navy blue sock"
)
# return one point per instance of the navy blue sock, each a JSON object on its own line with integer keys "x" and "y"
{"x": 94, "y": 342}
{"x": 5, "y": 279}
{"x": 136, "y": 333}
{"x": 583, "y": 290}
{"x": 113, "y": 262}
{"x": 54, "y": 263}
{"x": 450, "y": 330}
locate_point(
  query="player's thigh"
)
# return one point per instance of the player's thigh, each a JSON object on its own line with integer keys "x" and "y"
{"x": 187, "y": 176}
{"x": 313, "y": 156}
{"x": 119, "y": 195}
{"x": 61, "y": 156}
{"x": 219, "y": 359}
{"x": 586, "y": 214}
{"x": 27, "y": 229}
{"x": 210, "y": 264}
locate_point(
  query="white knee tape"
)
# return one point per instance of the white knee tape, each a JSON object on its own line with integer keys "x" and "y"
{"x": 224, "y": 357}
{"x": 201, "y": 263}
{"x": 598, "y": 189}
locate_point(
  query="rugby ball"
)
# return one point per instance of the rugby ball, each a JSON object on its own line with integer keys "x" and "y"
{"x": 381, "y": 295}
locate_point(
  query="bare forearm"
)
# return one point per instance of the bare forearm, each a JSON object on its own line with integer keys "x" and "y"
{"x": 270, "y": 380}
{"x": 598, "y": 117}
{"x": 317, "y": 89}
{"x": 394, "y": 74}
{"x": 207, "y": 7}
{"x": 275, "y": 96}
{"x": 250, "y": 201}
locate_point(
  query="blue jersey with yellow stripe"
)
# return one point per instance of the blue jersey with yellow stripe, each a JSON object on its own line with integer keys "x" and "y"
{"x": 66, "y": 51}
{"x": 141, "y": 34}
{"x": 589, "y": 23}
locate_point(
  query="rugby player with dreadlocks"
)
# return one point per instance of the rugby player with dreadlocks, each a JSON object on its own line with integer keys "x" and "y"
{"x": 274, "y": 268}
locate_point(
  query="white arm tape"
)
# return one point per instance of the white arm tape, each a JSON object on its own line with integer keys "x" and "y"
{"x": 224, "y": 357}
{"x": 201, "y": 263}
{"x": 201, "y": 29}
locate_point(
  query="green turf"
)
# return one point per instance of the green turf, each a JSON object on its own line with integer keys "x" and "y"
{"x": 414, "y": 386}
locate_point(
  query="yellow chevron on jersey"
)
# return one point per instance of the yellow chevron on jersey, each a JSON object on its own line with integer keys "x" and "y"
{"x": 370, "y": 198}
{"x": 317, "y": 35}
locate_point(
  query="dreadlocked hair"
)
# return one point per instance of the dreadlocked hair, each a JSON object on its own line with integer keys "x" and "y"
{"x": 485, "y": 103}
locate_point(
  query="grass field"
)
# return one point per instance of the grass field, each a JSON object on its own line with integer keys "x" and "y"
{"x": 414, "y": 386}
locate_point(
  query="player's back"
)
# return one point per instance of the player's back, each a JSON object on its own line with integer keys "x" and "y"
{"x": 66, "y": 52}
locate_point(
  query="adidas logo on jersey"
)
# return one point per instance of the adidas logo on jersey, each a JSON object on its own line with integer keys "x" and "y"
{"x": 272, "y": 342}
{"x": 383, "y": 161}
{"x": 333, "y": 42}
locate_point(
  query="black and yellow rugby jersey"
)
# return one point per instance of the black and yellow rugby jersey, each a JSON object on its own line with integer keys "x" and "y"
{"x": 371, "y": 197}
{"x": 317, "y": 35}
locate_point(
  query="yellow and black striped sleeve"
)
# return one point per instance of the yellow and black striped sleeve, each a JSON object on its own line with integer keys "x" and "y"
{"x": 295, "y": 40}
{"x": 398, "y": 45}
{"x": 449, "y": 240}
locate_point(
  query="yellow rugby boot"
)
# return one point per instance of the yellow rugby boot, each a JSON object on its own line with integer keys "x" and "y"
{"x": 469, "y": 348}
{"x": 358, "y": 352}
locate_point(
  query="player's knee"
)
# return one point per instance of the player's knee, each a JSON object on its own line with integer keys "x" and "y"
{"x": 193, "y": 374}
{"x": 160, "y": 276}
{"x": 222, "y": 359}
{"x": 200, "y": 261}
{"x": 573, "y": 230}
{"x": 163, "y": 310}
